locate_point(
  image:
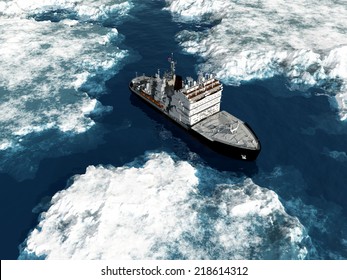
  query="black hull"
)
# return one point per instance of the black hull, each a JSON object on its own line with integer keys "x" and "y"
{"x": 224, "y": 149}
{"x": 228, "y": 150}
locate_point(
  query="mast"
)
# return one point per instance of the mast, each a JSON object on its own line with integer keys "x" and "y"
{"x": 172, "y": 65}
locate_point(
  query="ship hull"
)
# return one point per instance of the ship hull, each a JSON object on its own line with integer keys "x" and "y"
{"x": 222, "y": 148}
{"x": 228, "y": 150}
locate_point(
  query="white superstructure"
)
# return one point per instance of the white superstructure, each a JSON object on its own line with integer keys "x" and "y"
{"x": 188, "y": 101}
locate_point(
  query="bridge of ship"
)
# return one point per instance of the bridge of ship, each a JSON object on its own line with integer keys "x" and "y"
{"x": 200, "y": 91}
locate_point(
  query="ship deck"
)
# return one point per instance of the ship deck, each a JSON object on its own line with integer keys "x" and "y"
{"x": 224, "y": 127}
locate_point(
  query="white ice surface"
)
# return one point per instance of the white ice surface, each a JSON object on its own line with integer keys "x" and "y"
{"x": 86, "y": 10}
{"x": 156, "y": 211}
{"x": 304, "y": 41}
{"x": 52, "y": 72}
{"x": 43, "y": 66}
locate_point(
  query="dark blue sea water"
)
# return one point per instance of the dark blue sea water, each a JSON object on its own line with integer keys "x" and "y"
{"x": 298, "y": 131}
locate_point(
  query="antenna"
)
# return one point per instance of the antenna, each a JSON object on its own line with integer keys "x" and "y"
{"x": 172, "y": 64}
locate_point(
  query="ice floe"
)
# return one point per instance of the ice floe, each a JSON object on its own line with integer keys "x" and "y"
{"x": 153, "y": 209}
{"x": 53, "y": 71}
{"x": 304, "y": 41}
{"x": 82, "y": 10}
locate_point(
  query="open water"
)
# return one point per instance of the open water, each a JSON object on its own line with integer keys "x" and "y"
{"x": 89, "y": 171}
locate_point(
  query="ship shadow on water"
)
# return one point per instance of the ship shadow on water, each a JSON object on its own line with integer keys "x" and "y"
{"x": 194, "y": 144}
